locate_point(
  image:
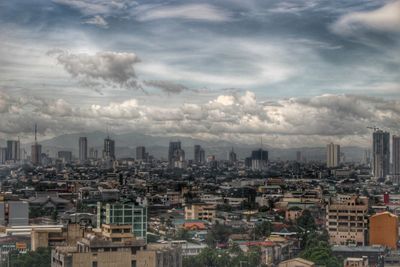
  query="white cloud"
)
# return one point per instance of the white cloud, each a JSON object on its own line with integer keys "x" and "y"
{"x": 385, "y": 18}
{"x": 205, "y": 12}
{"x": 97, "y": 21}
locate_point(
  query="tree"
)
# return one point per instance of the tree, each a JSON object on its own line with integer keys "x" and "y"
{"x": 262, "y": 230}
{"x": 218, "y": 234}
{"x": 319, "y": 251}
{"x": 39, "y": 258}
{"x": 182, "y": 234}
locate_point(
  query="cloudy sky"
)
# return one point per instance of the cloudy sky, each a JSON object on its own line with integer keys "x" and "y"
{"x": 298, "y": 73}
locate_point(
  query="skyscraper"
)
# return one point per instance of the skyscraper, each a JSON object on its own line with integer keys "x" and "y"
{"x": 259, "y": 159}
{"x": 109, "y": 148}
{"x": 93, "y": 153}
{"x": 232, "y": 156}
{"x": 36, "y": 151}
{"x": 332, "y": 155}
{"x": 396, "y": 155}
{"x": 141, "y": 153}
{"x": 13, "y": 150}
{"x": 380, "y": 154}
{"x": 83, "y": 149}
{"x": 298, "y": 156}
{"x": 174, "y": 152}
{"x": 199, "y": 155}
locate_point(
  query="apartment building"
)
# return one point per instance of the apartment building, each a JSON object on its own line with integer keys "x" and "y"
{"x": 346, "y": 220}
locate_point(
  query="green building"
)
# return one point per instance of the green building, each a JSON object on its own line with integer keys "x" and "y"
{"x": 118, "y": 213}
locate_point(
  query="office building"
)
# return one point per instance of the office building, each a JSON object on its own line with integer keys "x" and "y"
{"x": 141, "y": 153}
{"x": 380, "y": 154}
{"x": 93, "y": 154}
{"x": 65, "y": 156}
{"x": 346, "y": 220}
{"x": 120, "y": 214}
{"x": 396, "y": 155}
{"x": 109, "y": 148}
{"x": 199, "y": 155}
{"x": 13, "y": 150}
{"x": 332, "y": 155}
{"x": 258, "y": 160}
{"x": 36, "y": 151}
{"x": 173, "y": 152}
{"x": 83, "y": 149}
{"x": 3, "y": 155}
{"x": 383, "y": 230}
{"x": 232, "y": 156}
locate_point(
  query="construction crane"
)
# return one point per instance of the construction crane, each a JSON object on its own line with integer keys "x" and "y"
{"x": 373, "y": 128}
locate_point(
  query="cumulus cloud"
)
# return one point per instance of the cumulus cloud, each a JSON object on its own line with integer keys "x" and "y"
{"x": 385, "y": 18}
{"x": 239, "y": 118}
{"x": 95, "y": 7}
{"x": 101, "y": 69}
{"x": 97, "y": 21}
{"x": 205, "y": 12}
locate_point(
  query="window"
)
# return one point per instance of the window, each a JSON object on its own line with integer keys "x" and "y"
{"x": 94, "y": 264}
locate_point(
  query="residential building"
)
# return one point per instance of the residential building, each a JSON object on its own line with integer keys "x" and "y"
{"x": 83, "y": 149}
{"x": 120, "y": 214}
{"x": 332, "y": 155}
{"x": 384, "y": 230}
{"x": 346, "y": 220}
{"x": 380, "y": 154}
{"x": 200, "y": 211}
{"x": 296, "y": 262}
{"x": 109, "y": 149}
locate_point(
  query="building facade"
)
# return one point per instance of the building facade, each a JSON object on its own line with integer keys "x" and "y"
{"x": 332, "y": 155}
{"x": 384, "y": 230}
{"x": 346, "y": 220}
{"x": 380, "y": 154}
{"x": 83, "y": 148}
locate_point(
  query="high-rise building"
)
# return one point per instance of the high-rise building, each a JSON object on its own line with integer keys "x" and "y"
{"x": 332, "y": 155}
{"x": 199, "y": 155}
{"x": 141, "y": 153}
{"x": 259, "y": 159}
{"x": 122, "y": 214}
{"x": 36, "y": 151}
{"x": 3, "y": 155}
{"x": 396, "y": 155}
{"x": 347, "y": 220}
{"x": 13, "y": 150}
{"x": 93, "y": 154}
{"x": 383, "y": 230}
{"x": 232, "y": 156}
{"x": 109, "y": 148}
{"x": 175, "y": 153}
{"x": 83, "y": 149}
{"x": 380, "y": 154}
{"x": 66, "y": 156}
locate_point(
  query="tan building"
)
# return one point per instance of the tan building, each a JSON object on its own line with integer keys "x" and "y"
{"x": 383, "y": 230}
{"x": 346, "y": 220}
{"x": 200, "y": 211}
{"x": 296, "y": 262}
{"x": 160, "y": 255}
{"x": 115, "y": 246}
{"x": 356, "y": 262}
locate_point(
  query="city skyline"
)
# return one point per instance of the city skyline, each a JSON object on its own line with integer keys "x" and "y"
{"x": 238, "y": 72}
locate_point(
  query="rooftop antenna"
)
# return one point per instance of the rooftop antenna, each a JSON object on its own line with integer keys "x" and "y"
{"x": 35, "y": 133}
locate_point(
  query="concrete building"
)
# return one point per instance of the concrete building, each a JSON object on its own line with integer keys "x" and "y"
{"x": 65, "y": 156}
{"x": 296, "y": 262}
{"x": 380, "y": 154}
{"x": 14, "y": 213}
{"x": 83, "y": 149}
{"x": 160, "y": 255}
{"x": 109, "y": 148}
{"x": 396, "y": 155}
{"x": 13, "y": 150}
{"x": 199, "y": 155}
{"x": 173, "y": 149}
{"x": 141, "y": 153}
{"x": 384, "y": 230}
{"x": 346, "y": 220}
{"x": 356, "y": 262}
{"x": 332, "y": 155}
{"x": 200, "y": 211}
{"x": 122, "y": 214}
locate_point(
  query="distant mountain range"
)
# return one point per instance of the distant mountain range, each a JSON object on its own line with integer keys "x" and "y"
{"x": 158, "y": 146}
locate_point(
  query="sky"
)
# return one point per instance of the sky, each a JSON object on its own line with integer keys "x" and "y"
{"x": 296, "y": 73}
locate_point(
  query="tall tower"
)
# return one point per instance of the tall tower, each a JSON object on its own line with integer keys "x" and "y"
{"x": 332, "y": 155}
{"x": 380, "y": 154}
{"x": 83, "y": 151}
{"x": 36, "y": 150}
{"x": 13, "y": 150}
{"x": 141, "y": 153}
{"x": 109, "y": 148}
{"x": 396, "y": 155}
{"x": 173, "y": 149}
